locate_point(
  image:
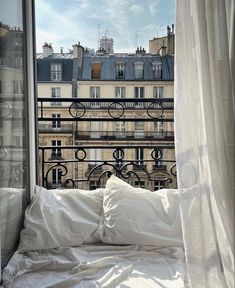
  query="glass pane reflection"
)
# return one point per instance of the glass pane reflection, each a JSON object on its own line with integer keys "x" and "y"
{"x": 12, "y": 127}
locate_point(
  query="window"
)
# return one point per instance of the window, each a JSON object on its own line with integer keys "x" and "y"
{"x": 159, "y": 128}
{"x": 140, "y": 184}
{"x": 1, "y": 140}
{"x": 120, "y": 128}
{"x": 157, "y": 92}
{"x": 94, "y": 92}
{"x": 160, "y": 184}
{"x": 120, "y": 71}
{"x": 139, "y": 70}
{"x": 96, "y": 70}
{"x": 120, "y": 92}
{"x": 18, "y": 62}
{"x": 93, "y": 185}
{"x": 56, "y": 72}
{"x": 158, "y": 159}
{"x": 2, "y": 87}
{"x": 139, "y": 129}
{"x": 157, "y": 70}
{"x": 17, "y": 119}
{"x": 17, "y": 140}
{"x": 55, "y": 93}
{"x": 56, "y": 176}
{"x": 139, "y": 92}
{"x": 56, "y": 152}
{"x": 55, "y": 124}
{"x": 139, "y": 156}
{"x": 17, "y": 87}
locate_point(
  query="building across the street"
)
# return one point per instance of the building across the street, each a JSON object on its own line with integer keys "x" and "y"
{"x": 121, "y": 111}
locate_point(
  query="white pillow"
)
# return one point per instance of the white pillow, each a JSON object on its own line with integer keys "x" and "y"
{"x": 139, "y": 216}
{"x": 61, "y": 218}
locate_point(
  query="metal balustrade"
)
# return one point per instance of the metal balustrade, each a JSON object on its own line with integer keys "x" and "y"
{"x": 134, "y": 155}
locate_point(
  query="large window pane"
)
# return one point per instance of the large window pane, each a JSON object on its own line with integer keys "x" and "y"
{"x": 13, "y": 157}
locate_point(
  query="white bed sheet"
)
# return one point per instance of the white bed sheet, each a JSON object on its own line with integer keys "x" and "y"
{"x": 90, "y": 266}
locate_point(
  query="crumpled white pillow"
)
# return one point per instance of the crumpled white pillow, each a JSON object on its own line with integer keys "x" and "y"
{"x": 139, "y": 216}
{"x": 61, "y": 218}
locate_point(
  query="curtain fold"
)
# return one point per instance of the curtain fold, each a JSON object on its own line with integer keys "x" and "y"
{"x": 204, "y": 138}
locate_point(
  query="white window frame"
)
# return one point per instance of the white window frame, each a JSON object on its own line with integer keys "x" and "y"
{"x": 56, "y": 152}
{"x": 120, "y": 92}
{"x": 157, "y": 70}
{"x": 56, "y": 71}
{"x": 158, "y": 92}
{"x": 139, "y": 70}
{"x": 94, "y": 92}
{"x": 139, "y": 156}
{"x": 55, "y": 124}
{"x": 159, "y": 184}
{"x": 120, "y": 70}
{"x": 55, "y": 93}
{"x": 56, "y": 176}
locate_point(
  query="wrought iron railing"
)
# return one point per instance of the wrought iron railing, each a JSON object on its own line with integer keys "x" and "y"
{"x": 89, "y": 159}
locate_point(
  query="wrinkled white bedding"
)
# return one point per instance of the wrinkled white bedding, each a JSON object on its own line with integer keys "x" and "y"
{"x": 90, "y": 266}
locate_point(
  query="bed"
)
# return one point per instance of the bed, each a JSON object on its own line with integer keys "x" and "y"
{"x": 119, "y": 236}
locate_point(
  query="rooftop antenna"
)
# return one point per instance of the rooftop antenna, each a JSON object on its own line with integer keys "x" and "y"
{"x": 137, "y": 35}
{"x": 98, "y": 36}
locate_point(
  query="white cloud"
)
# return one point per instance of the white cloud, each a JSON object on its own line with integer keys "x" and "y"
{"x": 153, "y": 6}
{"x": 137, "y": 9}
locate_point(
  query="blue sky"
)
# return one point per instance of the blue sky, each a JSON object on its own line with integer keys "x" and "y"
{"x": 65, "y": 22}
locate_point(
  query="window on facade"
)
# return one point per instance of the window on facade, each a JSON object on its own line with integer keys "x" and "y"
{"x": 2, "y": 87}
{"x": 56, "y": 176}
{"x": 139, "y": 156}
{"x": 18, "y": 62}
{"x": 55, "y": 93}
{"x": 17, "y": 87}
{"x": 159, "y": 185}
{"x": 120, "y": 128}
{"x": 120, "y": 71}
{"x": 1, "y": 140}
{"x": 96, "y": 70}
{"x": 139, "y": 70}
{"x": 93, "y": 185}
{"x": 157, "y": 70}
{"x": 140, "y": 184}
{"x": 56, "y": 151}
{"x": 158, "y": 154}
{"x": 159, "y": 128}
{"x": 17, "y": 119}
{"x": 157, "y": 92}
{"x": 139, "y": 129}
{"x": 16, "y": 140}
{"x": 55, "y": 124}
{"x": 56, "y": 72}
{"x": 120, "y": 92}
{"x": 94, "y": 92}
{"x": 139, "y": 92}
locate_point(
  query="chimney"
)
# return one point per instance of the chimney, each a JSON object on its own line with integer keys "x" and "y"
{"x": 140, "y": 51}
{"x": 61, "y": 50}
{"x": 173, "y": 27}
{"x": 78, "y": 53}
{"x": 168, "y": 30}
{"x": 47, "y": 50}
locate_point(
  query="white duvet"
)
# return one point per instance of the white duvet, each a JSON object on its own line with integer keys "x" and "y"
{"x": 89, "y": 266}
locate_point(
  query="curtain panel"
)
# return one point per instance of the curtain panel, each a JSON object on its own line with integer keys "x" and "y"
{"x": 204, "y": 138}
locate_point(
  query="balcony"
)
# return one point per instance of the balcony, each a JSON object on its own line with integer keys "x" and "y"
{"x": 92, "y": 154}
{"x": 124, "y": 135}
{"x": 48, "y": 128}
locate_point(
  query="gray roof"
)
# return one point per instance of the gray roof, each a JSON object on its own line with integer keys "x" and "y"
{"x": 107, "y": 66}
{"x": 43, "y": 68}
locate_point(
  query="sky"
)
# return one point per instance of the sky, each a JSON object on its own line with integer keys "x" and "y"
{"x": 130, "y": 23}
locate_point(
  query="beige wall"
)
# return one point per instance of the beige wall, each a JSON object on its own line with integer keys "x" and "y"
{"x": 107, "y": 88}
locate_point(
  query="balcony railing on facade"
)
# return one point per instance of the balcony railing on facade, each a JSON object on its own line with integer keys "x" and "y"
{"x": 85, "y": 162}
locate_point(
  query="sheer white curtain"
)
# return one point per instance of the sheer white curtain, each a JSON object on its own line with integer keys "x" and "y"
{"x": 204, "y": 137}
